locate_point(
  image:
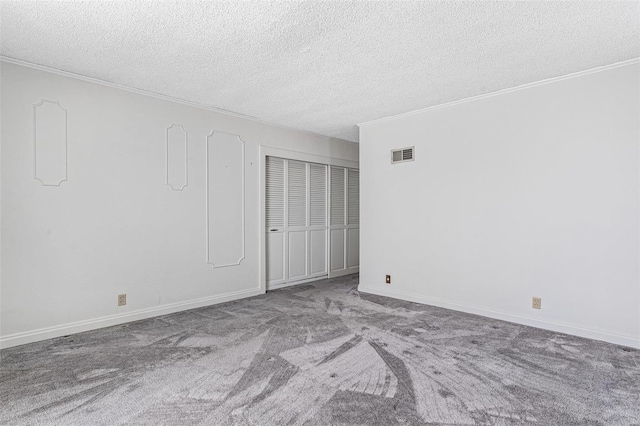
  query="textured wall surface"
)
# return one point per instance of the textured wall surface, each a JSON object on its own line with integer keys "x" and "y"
{"x": 529, "y": 193}
{"x": 321, "y": 66}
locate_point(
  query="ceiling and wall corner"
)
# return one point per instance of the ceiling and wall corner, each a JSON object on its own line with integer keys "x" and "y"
{"x": 321, "y": 67}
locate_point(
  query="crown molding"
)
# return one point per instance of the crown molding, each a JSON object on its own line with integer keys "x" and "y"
{"x": 505, "y": 91}
{"x": 160, "y": 96}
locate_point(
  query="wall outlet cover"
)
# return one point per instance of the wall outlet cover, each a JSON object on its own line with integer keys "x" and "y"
{"x": 122, "y": 299}
{"x": 536, "y": 303}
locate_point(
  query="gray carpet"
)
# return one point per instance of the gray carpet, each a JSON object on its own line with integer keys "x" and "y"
{"x": 320, "y": 354}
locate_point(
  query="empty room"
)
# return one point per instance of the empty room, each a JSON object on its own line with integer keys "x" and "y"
{"x": 320, "y": 213}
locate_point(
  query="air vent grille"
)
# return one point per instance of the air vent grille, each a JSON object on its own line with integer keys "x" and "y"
{"x": 402, "y": 155}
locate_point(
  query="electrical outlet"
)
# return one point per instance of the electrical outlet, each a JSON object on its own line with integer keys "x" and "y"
{"x": 388, "y": 279}
{"x": 536, "y": 303}
{"x": 122, "y": 299}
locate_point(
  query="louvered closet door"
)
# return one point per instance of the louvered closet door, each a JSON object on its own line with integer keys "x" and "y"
{"x": 337, "y": 231}
{"x": 297, "y": 220}
{"x": 353, "y": 220}
{"x": 344, "y": 229}
{"x": 318, "y": 226}
{"x": 296, "y": 214}
{"x": 275, "y": 213}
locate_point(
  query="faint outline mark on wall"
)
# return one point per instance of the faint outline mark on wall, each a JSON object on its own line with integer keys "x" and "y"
{"x": 50, "y": 143}
{"x": 225, "y": 201}
{"x": 172, "y": 158}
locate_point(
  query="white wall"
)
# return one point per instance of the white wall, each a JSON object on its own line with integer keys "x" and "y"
{"x": 115, "y": 226}
{"x": 531, "y": 192}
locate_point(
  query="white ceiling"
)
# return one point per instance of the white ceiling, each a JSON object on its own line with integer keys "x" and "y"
{"x": 321, "y": 66}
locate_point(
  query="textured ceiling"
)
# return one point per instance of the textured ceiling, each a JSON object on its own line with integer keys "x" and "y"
{"x": 321, "y": 66}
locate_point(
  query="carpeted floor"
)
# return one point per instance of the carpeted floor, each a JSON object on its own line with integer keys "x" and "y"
{"x": 320, "y": 354}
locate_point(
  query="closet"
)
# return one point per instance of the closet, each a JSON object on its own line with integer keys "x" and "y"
{"x": 312, "y": 220}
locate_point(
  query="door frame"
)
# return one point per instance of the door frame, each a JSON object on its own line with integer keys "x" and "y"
{"x": 264, "y": 152}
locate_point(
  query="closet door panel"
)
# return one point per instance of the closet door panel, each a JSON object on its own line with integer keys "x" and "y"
{"x": 275, "y": 216}
{"x": 297, "y": 255}
{"x": 337, "y": 249}
{"x": 275, "y": 257}
{"x": 353, "y": 197}
{"x": 297, "y": 194}
{"x": 318, "y": 250}
{"x": 318, "y": 195}
{"x": 274, "y": 193}
{"x": 353, "y": 243}
{"x": 337, "y": 196}
{"x": 298, "y": 199}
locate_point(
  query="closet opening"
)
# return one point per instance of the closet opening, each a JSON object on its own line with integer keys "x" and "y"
{"x": 311, "y": 221}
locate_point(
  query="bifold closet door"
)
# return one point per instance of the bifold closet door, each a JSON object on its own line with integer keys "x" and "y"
{"x": 296, "y": 215}
{"x": 275, "y": 215}
{"x": 318, "y": 228}
{"x": 344, "y": 228}
{"x": 296, "y": 230}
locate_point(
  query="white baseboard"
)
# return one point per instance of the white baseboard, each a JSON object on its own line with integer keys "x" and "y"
{"x": 111, "y": 320}
{"x": 289, "y": 284}
{"x": 342, "y": 272}
{"x": 629, "y": 341}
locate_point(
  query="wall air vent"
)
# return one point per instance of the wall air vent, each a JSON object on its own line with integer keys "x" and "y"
{"x": 402, "y": 155}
